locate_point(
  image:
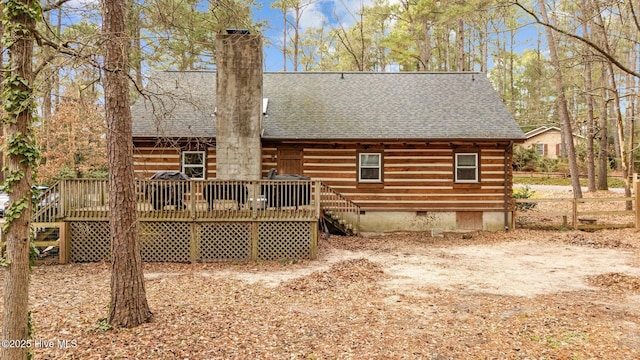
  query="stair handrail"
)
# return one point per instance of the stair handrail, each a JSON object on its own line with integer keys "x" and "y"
{"x": 340, "y": 206}
{"x": 48, "y": 205}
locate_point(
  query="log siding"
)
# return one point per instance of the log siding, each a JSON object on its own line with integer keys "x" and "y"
{"x": 416, "y": 177}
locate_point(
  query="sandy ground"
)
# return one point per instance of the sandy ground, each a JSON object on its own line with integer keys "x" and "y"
{"x": 519, "y": 268}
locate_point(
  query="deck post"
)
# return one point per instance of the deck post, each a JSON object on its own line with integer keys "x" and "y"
{"x": 193, "y": 243}
{"x": 314, "y": 240}
{"x": 254, "y": 240}
{"x": 317, "y": 194}
{"x": 254, "y": 194}
{"x": 192, "y": 199}
{"x": 63, "y": 196}
{"x": 64, "y": 250}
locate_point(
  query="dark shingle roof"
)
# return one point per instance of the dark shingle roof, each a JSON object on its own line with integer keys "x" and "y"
{"x": 334, "y": 106}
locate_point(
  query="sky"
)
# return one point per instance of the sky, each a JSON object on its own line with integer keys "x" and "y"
{"x": 312, "y": 16}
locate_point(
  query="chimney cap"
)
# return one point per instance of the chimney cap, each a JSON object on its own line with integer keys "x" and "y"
{"x": 231, "y": 31}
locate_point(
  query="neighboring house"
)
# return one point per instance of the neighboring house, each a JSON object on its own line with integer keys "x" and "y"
{"x": 546, "y": 141}
{"x": 415, "y": 151}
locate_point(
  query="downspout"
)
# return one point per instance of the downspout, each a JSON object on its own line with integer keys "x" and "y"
{"x": 508, "y": 185}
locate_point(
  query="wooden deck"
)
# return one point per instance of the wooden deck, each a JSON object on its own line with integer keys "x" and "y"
{"x": 209, "y": 200}
{"x": 194, "y": 220}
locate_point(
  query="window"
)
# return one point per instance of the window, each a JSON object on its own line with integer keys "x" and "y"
{"x": 466, "y": 168}
{"x": 369, "y": 167}
{"x": 540, "y": 149}
{"x": 193, "y": 164}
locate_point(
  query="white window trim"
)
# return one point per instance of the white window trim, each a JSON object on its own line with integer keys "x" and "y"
{"x": 475, "y": 167}
{"x": 379, "y": 167}
{"x": 542, "y": 152}
{"x": 203, "y": 165}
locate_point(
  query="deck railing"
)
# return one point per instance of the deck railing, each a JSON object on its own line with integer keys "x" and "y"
{"x": 47, "y": 206}
{"x": 179, "y": 200}
{"x": 202, "y": 200}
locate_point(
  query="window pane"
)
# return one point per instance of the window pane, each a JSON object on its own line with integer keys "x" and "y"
{"x": 194, "y": 158}
{"x": 194, "y": 172}
{"x": 370, "y": 160}
{"x": 466, "y": 174}
{"x": 467, "y": 160}
{"x": 370, "y": 174}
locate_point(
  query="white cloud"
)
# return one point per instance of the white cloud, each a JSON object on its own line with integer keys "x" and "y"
{"x": 348, "y": 11}
{"x": 312, "y": 16}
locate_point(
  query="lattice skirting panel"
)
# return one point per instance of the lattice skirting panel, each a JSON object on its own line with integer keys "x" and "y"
{"x": 208, "y": 241}
{"x": 224, "y": 241}
{"x": 90, "y": 241}
{"x": 284, "y": 240}
{"x": 165, "y": 241}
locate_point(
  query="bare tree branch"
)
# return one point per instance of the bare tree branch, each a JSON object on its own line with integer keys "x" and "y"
{"x": 590, "y": 43}
{"x": 54, "y": 6}
{"x": 634, "y": 15}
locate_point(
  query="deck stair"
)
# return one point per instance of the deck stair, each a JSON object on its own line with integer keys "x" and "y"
{"x": 48, "y": 205}
{"x": 341, "y": 215}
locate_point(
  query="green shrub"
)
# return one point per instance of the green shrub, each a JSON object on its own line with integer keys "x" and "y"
{"x": 524, "y": 159}
{"x": 547, "y": 165}
{"x": 524, "y": 193}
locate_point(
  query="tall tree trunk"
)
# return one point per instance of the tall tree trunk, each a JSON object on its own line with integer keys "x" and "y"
{"x": 603, "y": 135}
{"x": 460, "y": 38}
{"x": 47, "y": 87}
{"x": 632, "y": 100}
{"x": 2, "y": 65}
{"x": 56, "y": 75}
{"x": 485, "y": 48}
{"x": 425, "y": 48}
{"x": 128, "y": 307}
{"x": 296, "y": 37}
{"x": 133, "y": 23}
{"x": 562, "y": 106}
{"x": 591, "y": 166}
{"x": 624, "y": 150}
{"x": 612, "y": 126}
{"x": 20, "y": 157}
{"x": 284, "y": 39}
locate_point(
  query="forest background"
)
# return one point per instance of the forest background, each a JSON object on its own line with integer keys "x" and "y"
{"x": 589, "y": 89}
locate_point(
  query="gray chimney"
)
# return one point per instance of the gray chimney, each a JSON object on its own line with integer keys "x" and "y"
{"x": 238, "y": 105}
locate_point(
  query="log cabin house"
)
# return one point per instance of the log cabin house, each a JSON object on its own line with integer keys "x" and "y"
{"x": 415, "y": 151}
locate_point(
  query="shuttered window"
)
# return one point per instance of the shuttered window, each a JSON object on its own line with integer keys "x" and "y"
{"x": 466, "y": 168}
{"x": 193, "y": 164}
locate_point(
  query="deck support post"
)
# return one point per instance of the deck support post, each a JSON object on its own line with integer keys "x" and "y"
{"x": 64, "y": 251}
{"x": 314, "y": 240}
{"x": 254, "y": 240}
{"x": 193, "y": 244}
